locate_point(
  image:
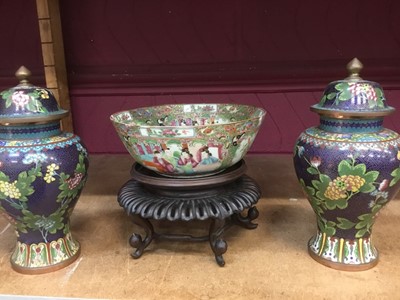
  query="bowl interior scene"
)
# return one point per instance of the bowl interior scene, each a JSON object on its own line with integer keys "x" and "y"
{"x": 188, "y": 139}
{"x": 188, "y": 115}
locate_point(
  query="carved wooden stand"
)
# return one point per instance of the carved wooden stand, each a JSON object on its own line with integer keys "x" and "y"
{"x": 223, "y": 198}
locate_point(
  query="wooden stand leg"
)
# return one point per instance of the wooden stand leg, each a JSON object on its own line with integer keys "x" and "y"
{"x": 218, "y": 245}
{"x": 246, "y": 221}
{"x": 136, "y": 239}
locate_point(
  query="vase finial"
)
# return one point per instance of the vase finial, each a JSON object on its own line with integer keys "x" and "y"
{"x": 23, "y": 74}
{"x": 354, "y": 67}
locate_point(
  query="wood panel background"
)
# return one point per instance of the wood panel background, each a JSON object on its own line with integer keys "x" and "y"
{"x": 123, "y": 54}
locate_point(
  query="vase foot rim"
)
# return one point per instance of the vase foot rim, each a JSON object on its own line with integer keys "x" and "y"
{"x": 342, "y": 266}
{"x": 46, "y": 269}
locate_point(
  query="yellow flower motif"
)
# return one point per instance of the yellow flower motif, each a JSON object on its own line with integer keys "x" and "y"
{"x": 398, "y": 155}
{"x": 53, "y": 167}
{"x": 44, "y": 94}
{"x": 338, "y": 188}
{"x": 10, "y": 190}
{"x": 51, "y": 170}
{"x": 49, "y": 178}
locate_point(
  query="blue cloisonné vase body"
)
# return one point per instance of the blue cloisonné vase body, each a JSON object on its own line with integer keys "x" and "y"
{"x": 349, "y": 168}
{"x": 42, "y": 173}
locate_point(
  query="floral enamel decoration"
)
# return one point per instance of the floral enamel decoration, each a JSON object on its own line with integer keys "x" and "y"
{"x": 348, "y": 167}
{"x": 356, "y": 94}
{"x": 16, "y": 194}
{"x": 23, "y": 101}
{"x": 20, "y": 100}
{"x": 330, "y": 194}
{"x": 43, "y": 171}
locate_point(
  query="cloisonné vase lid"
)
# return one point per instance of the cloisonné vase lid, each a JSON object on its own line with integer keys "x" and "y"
{"x": 26, "y": 103}
{"x": 353, "y": 97}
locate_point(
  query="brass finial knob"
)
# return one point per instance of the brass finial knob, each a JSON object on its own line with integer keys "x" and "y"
{"x": 23, "y": 74}
{"x": 354, "y": 67}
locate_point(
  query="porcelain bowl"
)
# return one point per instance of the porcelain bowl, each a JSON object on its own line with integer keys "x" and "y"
{"x": 188, "y": 139}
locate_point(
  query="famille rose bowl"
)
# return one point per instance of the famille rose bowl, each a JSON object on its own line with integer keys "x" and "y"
{"x": 188, "y": 139}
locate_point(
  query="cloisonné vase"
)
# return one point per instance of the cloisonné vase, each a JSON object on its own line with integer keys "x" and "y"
{"x": 42, "y": 173}
{"x": 349, "y": 168}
